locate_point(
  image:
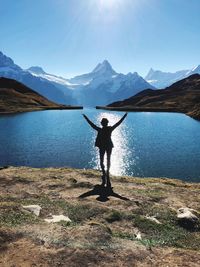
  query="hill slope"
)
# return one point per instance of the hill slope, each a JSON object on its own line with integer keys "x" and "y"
{"x": 16, "y": 97}
{"x": 182, "y": 96}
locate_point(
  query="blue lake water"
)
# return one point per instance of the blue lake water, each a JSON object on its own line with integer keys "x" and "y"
{"x": 147, "y": 144}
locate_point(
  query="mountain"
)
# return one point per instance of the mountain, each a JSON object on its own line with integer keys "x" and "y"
{"x": 99, "y": 87}
{"x": 182, "y": 96}
{"x": 16, "y": 97}
{"x": 103, "y": 69}
{"x": 57, "y": 80}
{"x": 161, "y": 79}
{"x": 103, "y": 85}
{"x": 42, "y": 85}
{"x": 60, "y": 83}
{"x": 195, "y": 70}
{"x": 36, "y": 70}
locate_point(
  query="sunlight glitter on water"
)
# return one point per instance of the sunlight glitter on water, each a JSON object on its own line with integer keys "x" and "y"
{"x": 120, "y": 153}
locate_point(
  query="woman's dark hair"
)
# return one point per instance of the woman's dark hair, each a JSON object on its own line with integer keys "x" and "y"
{"x": 104, "y": 122}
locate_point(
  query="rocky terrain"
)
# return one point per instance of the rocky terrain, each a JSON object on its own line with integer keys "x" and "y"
{"x": 140, "y": 222}
{"x": 183, "y": 96}
{"x": 16, "y": 97}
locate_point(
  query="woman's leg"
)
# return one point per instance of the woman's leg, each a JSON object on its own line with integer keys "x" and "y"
{"x": 108, "y": 152}
{"x": 101, "y": 154}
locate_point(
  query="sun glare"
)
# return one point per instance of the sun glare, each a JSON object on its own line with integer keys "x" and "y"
{"x": 108, "y": 4}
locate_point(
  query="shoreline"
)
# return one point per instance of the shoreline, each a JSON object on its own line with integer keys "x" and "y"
{"x": 146, "y": 178}
{"x": 139, "y": 109}
{"x": 40, "y": 109}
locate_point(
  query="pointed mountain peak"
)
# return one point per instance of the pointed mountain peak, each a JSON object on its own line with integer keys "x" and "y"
{"x": 106, "y": 63}
{"x": 133, "y": 74}
{"x": 36, "y": 70}
{"x": 150, "y": 73}
{"x": 7, "y": 62}
{"x": 104, "y": 67}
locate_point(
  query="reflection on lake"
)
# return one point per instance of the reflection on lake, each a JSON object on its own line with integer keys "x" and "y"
{"x": 145, "y": 144}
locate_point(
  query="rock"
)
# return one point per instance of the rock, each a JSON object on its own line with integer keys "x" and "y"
{"x": 138, "y": 235}
{"x": 153, "y": 219}
{"x": 58, "y": 218}
{"x": 187, "y": 218}
{"x": 33, "y": 208}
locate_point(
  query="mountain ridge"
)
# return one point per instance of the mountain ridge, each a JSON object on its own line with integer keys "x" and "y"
{"x": 101, "y": 86}
{"x": 162, "y": 79}
{"x": 182, "y": 96}
{"x": 9, "y": 69}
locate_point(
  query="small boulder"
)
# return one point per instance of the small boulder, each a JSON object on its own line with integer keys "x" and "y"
{"x": 153, "y": 219}
{"x": 138, "y": 235}
{"x": 187, "y": 218}
{"x": 58, "y": 218}
{"x": 33, "y": 208}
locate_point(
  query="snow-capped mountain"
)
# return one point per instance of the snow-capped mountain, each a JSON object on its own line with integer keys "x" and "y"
{"x": 39, "y": 72}
{"x": 7, "y": 64}
{"x": 161, "y": 79}
{"x": 98, "y": 87}
{"x": 195, "y": 70}
{"x": 43, "y": 86}
{"x": 103, "y": 85}
{"x": 102, "y": 70}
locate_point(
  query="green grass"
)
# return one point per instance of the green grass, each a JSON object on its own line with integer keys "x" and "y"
{"x": 124, "y": 235}
{"x": 81, "y": 185}
{"x": 166, "y": 234}
{"x": 77, "y": 212}
{"x": 113, "y": 216}
{"x": 13, "y": 217}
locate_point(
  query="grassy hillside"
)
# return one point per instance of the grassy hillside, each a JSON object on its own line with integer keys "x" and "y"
{"x": 107, "y": 228}
{"x": 183, "y": 96}
{"x": 16, "y": 97}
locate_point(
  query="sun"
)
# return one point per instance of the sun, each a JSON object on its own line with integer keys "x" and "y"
{"x": 109, "y": 4}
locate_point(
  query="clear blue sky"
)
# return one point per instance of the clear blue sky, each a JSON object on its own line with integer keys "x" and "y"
{"x": 69, "y": 37}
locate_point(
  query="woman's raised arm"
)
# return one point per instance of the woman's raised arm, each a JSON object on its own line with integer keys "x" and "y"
{"x": 119, "y": 122}
{"x": 91, "y": 123}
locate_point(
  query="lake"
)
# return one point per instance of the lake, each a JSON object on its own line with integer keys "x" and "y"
{"x": 147, "y": 144}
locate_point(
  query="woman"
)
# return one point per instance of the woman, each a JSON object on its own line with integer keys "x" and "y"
{"x": 104, "y": 143}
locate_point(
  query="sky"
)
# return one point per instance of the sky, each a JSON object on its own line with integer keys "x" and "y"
{"x": 70, "y": 37}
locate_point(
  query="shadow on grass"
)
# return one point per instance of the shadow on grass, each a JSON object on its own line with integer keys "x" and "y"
{"x": 103, "y": 193}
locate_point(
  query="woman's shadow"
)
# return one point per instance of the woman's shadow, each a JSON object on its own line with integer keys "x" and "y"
{"x": 103, "y": 193}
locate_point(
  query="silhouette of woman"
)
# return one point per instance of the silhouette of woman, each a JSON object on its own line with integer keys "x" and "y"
{"x": 105, "y": 144}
